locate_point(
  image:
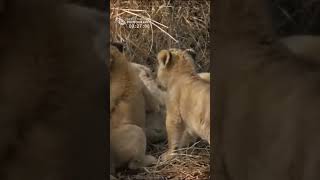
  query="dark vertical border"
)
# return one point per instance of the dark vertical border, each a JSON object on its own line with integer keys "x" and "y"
{"x": 211, "y": 30}
{"x": 107, "y": 26}
{"x": 212, "y": 88}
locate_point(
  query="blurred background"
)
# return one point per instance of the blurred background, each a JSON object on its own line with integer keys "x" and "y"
{"x": 293, "y": 17}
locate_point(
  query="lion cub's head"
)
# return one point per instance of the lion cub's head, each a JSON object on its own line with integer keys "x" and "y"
{"x": 173, "y": 63}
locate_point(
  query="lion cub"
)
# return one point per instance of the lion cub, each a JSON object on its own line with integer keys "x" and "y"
{"x": 127, "y": 114}
{"x": 155, "y": 121}
{"x": 187, "y": 100}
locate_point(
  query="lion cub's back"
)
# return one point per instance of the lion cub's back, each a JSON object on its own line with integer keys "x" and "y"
{"x": 195, "y": 106}
{"x": 131, "y": 107}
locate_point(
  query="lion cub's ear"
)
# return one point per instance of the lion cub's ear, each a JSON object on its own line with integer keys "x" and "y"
{"x": 164, "y": 57}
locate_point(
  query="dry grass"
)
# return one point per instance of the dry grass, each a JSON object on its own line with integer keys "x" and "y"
{"x": 191, "y": 163}
{"x": 179, "y": 24}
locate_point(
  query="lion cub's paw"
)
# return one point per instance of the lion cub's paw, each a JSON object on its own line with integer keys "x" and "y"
{"x": 149, "y": 160}
{"x": 167, "y": 156}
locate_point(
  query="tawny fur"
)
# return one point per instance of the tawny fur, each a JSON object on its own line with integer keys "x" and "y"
{"x": 127, "y": 108}
{"x": 129, "y": 145}
{"x": 205, "y": 76}
{"x": 145, "y": 74}
{"x": 52, "y": 86}
{"x": 155, "y": 105}
{"x": 187, "y": 99}
{"x": 155, "y": 121}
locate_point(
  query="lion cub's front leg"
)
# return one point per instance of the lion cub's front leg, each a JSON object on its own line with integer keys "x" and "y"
{"x": 175, "y": 130}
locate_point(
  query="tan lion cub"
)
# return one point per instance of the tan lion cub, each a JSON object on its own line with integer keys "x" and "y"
{"x": 187, "y": 100}
{"x": 127, "y": 114}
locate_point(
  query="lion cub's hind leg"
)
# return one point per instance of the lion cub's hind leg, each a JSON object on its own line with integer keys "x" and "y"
{"x": 129, "y": 146}
{"x": 140, "y": 159}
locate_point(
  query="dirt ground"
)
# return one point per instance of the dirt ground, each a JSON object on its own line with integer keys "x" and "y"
{"x": 191, "y": 163}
